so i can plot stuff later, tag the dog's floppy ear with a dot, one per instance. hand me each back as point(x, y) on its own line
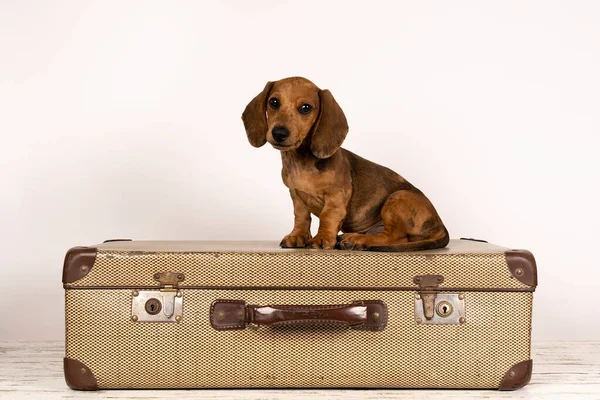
point(255, 117)
point(330, 129)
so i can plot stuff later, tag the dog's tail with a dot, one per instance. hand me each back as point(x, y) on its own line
point(427, 244)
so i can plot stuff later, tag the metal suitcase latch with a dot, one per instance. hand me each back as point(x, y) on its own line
point(428, 289)
point(434, 308)
point(163, 305)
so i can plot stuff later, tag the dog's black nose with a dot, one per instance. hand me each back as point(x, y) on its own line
point(280, 133)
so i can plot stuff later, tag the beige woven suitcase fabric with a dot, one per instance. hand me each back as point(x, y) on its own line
point(276, 267)
point(122, 353)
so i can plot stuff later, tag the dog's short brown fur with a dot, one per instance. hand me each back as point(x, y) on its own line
point(376, 208)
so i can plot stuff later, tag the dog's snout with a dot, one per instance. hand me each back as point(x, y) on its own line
point(280, 133)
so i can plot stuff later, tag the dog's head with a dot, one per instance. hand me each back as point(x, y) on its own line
point(292, 111)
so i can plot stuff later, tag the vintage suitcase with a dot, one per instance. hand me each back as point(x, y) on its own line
point(249, 314)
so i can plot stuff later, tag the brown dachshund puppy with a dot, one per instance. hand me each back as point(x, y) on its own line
point(376, 208)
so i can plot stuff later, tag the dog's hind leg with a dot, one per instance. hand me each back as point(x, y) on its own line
point(410, 222)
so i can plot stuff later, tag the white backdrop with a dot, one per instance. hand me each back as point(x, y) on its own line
point(122, 119)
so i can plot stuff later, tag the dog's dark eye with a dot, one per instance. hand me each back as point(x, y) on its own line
point(274, 103)
point(305, 109)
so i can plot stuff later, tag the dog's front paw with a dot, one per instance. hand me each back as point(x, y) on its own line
point(352, 241)
point(322, 242)
point(294, 240)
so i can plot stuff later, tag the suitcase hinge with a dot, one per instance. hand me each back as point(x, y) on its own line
point(428, 290)
point(169, 279)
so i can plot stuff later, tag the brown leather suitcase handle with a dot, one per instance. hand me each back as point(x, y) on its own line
point(362, 315)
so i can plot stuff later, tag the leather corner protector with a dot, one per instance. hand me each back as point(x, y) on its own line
point(228, 314)
point(78, 263)
point(518, 376)
point(522, 266)
point(78, 376)
point(377, 316)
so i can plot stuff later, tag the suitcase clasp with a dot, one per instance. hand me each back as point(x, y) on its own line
point(162, 305)
point(157, 305)
point(428, 290)
point(169, 283)
point(434, 308)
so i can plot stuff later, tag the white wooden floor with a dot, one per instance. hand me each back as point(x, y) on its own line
point(561, 370)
